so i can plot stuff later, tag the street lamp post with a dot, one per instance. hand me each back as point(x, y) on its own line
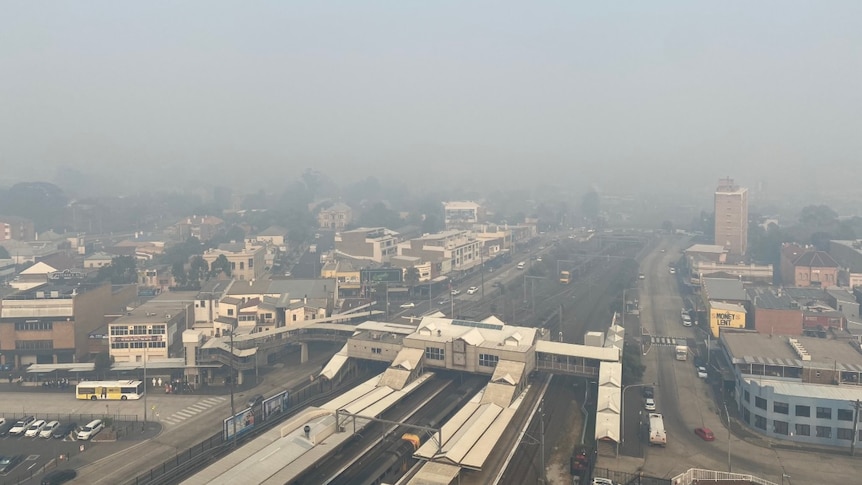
point(232, 408)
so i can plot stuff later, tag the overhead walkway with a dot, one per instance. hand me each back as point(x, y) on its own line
point(282, 454)
point(573, 359)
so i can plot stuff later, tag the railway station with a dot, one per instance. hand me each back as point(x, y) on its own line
point(506, 355)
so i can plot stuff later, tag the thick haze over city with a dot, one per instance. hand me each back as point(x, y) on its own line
point(632, 97)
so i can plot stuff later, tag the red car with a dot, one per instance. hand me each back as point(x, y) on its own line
point(704, 433)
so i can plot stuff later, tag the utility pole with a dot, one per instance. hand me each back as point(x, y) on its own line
point(857, 404)
point(232, 408)
point(729, 469)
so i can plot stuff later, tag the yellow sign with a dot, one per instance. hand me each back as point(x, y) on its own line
point(720, 317)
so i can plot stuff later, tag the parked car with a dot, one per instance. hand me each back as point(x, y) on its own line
point(472, 290)
point(704, 433)
point(701, 372)
point(408, 305)
point(57, 477)
point(49, 428)
point(91, 429)
point(5, 427)
point(8, 462)
point(641, 276)
point(649, 404)
point(21, 426)
point(648, 392)
point(455, 292)
point(602, 481)
point(35, 428)
point(64, 430)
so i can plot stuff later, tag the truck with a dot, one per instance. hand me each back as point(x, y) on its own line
point(657, 435)
point(565, 277)
point(681, 352)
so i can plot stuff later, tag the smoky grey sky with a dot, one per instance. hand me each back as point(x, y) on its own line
point(618, 94)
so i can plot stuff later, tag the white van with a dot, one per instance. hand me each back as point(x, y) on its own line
point(91, 429)
point(521, 265)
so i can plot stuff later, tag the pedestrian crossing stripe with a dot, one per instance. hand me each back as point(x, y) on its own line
point(193, 409)
point(669, 341)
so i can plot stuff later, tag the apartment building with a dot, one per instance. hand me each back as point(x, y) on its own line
point(457, 249)
point(51, 323)
point(376, 244)
point(462, 214)
point(202, 227)
point(731, 217)
point(247, 260)
point(16, 228)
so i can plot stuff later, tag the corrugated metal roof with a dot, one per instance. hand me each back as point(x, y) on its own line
point(607, 354)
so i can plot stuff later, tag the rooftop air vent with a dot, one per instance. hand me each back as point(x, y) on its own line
point(800, 350)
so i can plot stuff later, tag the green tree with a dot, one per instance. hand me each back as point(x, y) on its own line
point(633, 369)
point(178, 270)
point(411, 276)
point(102, 364)
point(198, 270)
point(121, 271)
point(220, 265)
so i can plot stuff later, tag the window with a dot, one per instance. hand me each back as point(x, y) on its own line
point(824, 413)
point(824, 432)
point(803, 430)
point(746, 415)
point(139, 330)
point(433, 353)
point(250, 263)
point(780, 407)
point(803, 411)
point(241, 265)
point(845, 434)
point(230, 312)
point(33, 325)
point(759, 422)
point(780, 427)
point(845, 415)
point(34, 344)
point(376, 350)
point(746, 395)
point(120, 330)
point(488, 360)
point(760, 402)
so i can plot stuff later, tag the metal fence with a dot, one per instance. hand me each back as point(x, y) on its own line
point(81, 418)
point(625, 478)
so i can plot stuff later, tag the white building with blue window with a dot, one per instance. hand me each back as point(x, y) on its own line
point(801, 389)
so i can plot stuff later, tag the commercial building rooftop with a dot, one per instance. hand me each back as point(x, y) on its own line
point(751, 347)
point(772, 299)
point(724, 289)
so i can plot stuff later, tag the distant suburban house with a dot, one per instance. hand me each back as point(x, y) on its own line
point(98, 260)
point(274, 236)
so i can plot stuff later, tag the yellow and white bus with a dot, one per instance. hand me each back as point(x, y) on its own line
point(111, 390)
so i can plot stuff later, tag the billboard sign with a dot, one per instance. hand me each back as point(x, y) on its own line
point(381, 275)
point(275, 405)
point(244, 423)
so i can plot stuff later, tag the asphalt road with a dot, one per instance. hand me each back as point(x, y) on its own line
point(687, 402)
